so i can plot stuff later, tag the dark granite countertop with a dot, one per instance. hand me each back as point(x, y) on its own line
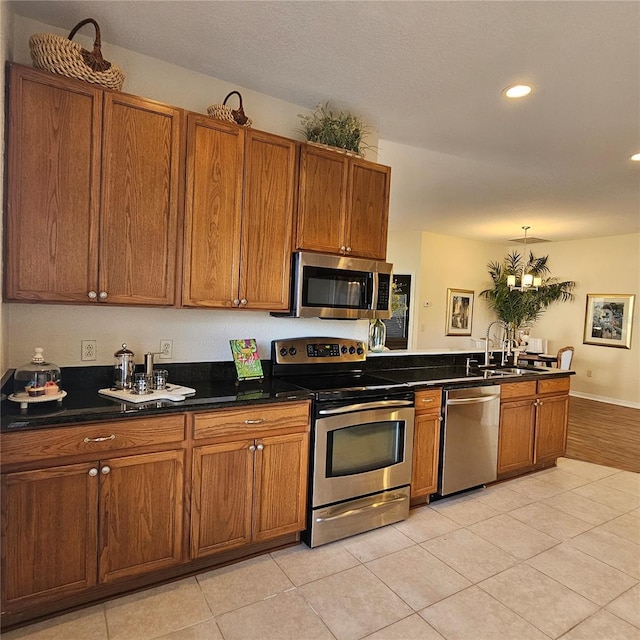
point(216, 387)
point(214, 383)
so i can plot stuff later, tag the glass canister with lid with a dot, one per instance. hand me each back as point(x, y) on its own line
point(38, 377)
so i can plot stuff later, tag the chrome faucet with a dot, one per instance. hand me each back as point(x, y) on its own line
point(486, 344)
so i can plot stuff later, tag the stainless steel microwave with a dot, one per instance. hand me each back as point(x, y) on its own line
point(325, 286)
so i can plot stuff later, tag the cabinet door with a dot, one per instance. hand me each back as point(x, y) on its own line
point(367, 209)
point(221, 497)
point(139, 215)
point(213, 208)
point(516, 436)
point(267, 221)
point(551, 427)
point(53, 167)
point(321, 207)
point(140, 514)
point(49, 527)
point(426, 444)
point(280, 494)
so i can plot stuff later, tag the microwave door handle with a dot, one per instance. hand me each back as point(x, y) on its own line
point(374, 293)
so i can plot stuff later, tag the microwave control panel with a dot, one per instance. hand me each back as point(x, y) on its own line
point(317, 350)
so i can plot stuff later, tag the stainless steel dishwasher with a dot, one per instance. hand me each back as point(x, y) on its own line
point(469, 455)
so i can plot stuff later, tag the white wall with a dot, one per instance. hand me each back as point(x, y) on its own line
point(605, 266)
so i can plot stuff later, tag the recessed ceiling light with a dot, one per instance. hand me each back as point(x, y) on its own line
point(518, 91)
point(635, 157)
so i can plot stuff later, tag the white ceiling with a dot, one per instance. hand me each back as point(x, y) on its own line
point(428, 74)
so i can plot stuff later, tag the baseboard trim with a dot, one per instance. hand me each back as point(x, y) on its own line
point(621, 403)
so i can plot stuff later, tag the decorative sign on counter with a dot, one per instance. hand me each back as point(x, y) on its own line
point(247, 359)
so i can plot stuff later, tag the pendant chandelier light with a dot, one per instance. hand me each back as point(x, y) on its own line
point(528, 282)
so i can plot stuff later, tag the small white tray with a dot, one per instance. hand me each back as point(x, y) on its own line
point(25, 399)
point(173, 392)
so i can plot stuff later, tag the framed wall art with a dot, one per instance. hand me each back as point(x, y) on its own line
point(608, 320)
point(459, 312)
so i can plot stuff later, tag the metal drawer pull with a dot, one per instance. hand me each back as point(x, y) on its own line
point(93, 472)
point(252, 447)
point(101, 439)
point(258, 421)
point(367, 405)
point(260, 447)
point(105, 469)
point(427, 400)
point(369, 507)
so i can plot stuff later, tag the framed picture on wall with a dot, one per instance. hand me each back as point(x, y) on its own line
point(459, 312)
point(608, 320)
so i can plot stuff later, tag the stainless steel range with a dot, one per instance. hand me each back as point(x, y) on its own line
point(362, 437)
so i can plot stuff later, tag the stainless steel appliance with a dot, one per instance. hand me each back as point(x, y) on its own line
point(325, 286)
point(469, 456)
point(362, 437)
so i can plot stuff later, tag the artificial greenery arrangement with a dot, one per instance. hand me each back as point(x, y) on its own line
point(336, 129)
point(519, 309)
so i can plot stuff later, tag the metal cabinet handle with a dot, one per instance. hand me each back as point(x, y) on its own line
point(258, 421)
point(252, 447)
point(343, 248)
point(103, 295)
point(101, 439)
point(92, 295)
point(260, 447)
point(106, 469)
point(348, 249)
point(243, 301)
point(236, 301)
point(93, 472)
point(427, 400)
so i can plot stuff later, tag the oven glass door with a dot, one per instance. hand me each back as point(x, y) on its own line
point(361, 452)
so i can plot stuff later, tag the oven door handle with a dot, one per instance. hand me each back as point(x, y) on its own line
point(381, 404)
point(369, 507)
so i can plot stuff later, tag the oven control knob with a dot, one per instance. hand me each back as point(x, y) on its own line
point(344, 349)
point(283, 352)
point(359, 351)
point(292, 351)
point(352, 350)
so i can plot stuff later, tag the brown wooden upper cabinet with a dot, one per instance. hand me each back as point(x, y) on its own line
point(343, 204)
point(240, 186)
point(92, 206)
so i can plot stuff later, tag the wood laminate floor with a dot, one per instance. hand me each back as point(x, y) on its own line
point(604, 433)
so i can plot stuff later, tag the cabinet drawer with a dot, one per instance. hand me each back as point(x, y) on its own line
point(246, 421)
point(554, 385)
point(428, 400)
point(517, 390)
point(98, 438)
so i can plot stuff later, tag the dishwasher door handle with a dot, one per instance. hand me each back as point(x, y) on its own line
point(475, 400)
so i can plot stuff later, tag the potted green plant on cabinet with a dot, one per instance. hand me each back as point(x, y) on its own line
point(339, 129)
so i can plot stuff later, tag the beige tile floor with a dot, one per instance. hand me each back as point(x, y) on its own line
point(552, 555)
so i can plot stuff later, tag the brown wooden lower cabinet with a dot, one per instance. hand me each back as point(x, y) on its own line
point(426, 445)
point(251, 489)
point(533, 424)
point(95, 510)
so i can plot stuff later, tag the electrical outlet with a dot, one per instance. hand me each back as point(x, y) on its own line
point(166, 349)
point(89, 349)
